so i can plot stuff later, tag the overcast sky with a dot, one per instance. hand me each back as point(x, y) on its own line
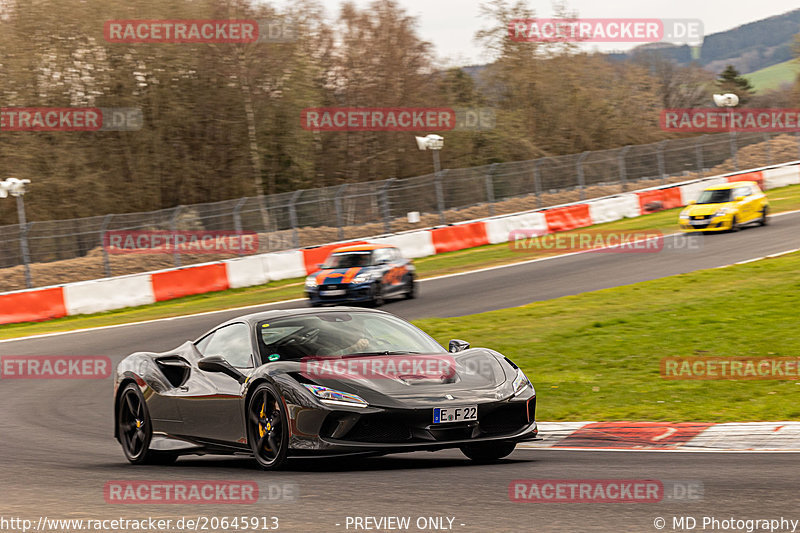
point(451, 24)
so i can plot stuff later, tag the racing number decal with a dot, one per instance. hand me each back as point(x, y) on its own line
point(395, 276)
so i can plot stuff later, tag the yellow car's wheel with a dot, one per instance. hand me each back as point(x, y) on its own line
point(764, 216)
point(734, 224)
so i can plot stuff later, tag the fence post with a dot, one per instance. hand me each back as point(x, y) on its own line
point(623, 170)
point(768, 147)
point(581, 179)
point(337, 204)
point(383, 201)
point(173, 223)
point(662, 171)
point(293, 217)
point(237, 221)
point(537, 181)
point(698, 146)
point(106, 260)
point(440, 195)
point(490, 187)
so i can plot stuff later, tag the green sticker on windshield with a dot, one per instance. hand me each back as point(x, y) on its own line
point(274, 357)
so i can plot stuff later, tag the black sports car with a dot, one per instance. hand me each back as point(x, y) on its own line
point(313, 382)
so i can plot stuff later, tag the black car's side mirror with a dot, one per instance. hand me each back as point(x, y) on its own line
point(457, 345)
point(216, 363)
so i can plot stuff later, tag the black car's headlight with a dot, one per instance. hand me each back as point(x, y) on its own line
point(521, 382)
point(336, 397)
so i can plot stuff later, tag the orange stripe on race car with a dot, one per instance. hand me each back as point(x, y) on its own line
point(350, 274)
point(322, 275)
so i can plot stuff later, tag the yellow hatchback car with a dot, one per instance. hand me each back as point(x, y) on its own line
point(726, 207)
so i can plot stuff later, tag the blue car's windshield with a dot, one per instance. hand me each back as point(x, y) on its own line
point(349, 260)
point(341, 333)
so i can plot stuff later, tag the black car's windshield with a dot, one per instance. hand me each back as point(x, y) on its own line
point(349, 260)
point(715, 197)
point(338, 333)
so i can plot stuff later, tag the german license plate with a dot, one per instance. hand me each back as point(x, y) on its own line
point(444, 415)
point(335, 292)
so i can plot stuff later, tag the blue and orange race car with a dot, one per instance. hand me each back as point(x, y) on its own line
point(365, 273)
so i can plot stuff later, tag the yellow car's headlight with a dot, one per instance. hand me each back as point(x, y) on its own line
point(722, 212)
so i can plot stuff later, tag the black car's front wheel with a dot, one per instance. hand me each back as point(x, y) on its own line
point(486, 452)
point(135, 429)
point(267, 427)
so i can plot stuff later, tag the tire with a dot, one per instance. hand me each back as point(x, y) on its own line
point(377, 296)
point(267, 427)
point(764, 217)
point(135, 429)
point(489, 451)
point(734, 224)
point(411, 291)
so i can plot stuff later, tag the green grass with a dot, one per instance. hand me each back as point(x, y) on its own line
point(595, 356)
point(774, 76)
point(784, 199)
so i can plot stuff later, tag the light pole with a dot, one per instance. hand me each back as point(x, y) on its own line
point(730, 101)
point(435, 143)
point(16, 188)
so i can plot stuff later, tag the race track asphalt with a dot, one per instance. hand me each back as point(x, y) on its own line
point(58, 452)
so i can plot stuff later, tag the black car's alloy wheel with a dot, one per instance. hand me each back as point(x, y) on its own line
point(135, 429)
point(267, 427)
point(487, 452)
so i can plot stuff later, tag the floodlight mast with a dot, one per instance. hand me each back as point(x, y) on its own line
point(16, 188)
point(730, 101)
point(434, 143)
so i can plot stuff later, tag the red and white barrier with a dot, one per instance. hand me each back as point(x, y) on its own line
point(141, 289)
point(101, 295)
point(413, 245)
point(614, 208)
point(498, 229)
point(781, 177)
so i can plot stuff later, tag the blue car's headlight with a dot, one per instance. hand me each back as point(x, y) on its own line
point(311, 282)
point(521, 382)
point(364, 277)
point(336, 397)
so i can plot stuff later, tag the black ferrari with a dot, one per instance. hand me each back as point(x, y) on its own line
point(316, 382)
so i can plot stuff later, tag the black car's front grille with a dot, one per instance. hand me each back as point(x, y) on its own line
point(508, 418)
point(375, 429)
